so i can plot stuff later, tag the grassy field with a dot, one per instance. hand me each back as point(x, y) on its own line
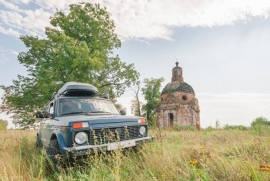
point(174, 155)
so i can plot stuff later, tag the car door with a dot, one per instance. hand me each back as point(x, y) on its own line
point(46, 126)
point(50, 123)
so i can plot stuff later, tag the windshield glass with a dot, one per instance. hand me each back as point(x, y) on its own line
point(85, 105)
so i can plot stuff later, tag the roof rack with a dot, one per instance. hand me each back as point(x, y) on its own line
point(77, 89)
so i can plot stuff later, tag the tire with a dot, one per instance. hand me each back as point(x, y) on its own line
point(52, 151)
point(38, 143)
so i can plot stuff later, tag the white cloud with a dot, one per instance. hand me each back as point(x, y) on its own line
point(9, 5)
point(154, 19)
point(145, 19)
point(4, 52)
point(53, 4)
point(9, 31)
point(21, 1)
point(30, 22)
point(3, 58)
point(8, 51)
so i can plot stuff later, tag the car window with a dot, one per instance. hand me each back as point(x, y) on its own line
point(47, 108)
point(51, 108)
point(87, 105)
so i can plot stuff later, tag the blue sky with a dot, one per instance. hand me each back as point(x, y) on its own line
point(222, 47)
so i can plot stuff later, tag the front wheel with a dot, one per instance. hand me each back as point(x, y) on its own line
point(52, 151)
point(38, 142)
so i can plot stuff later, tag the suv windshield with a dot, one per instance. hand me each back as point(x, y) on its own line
point(84, 105)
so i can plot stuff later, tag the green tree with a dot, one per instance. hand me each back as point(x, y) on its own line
point(151, 93)
point(136, 107)
point(136, 104)
point(260, 121)
point(3, 124)
point(78, 47)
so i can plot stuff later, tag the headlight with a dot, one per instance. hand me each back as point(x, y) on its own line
point(142, 130)
point(80, 138)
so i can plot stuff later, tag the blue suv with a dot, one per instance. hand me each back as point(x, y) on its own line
point(76, 122)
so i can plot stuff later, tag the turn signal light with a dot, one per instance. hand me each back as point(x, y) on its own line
point(80, 125)
point(142, 121)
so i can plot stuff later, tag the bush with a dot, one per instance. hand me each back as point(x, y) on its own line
point(184, 128)
point(234, 127)
point(259, 125)
point(260, 121)
point(209, 128)
point(3, 124)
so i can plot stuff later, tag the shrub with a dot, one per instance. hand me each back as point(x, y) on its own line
point(260, 121)
point(209, 128)
point(259, 124)
point(184, 128)
point(3, 124)
point(234, 127)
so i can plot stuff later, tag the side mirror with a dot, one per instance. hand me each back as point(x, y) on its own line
point(123, 112)
point(43, 114)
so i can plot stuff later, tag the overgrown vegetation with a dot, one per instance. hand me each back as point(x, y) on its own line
point(260, 124)
point(151, 94)
point(175, 155)
point(3, 124)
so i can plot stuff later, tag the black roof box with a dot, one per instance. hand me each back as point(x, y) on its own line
point(77, 89)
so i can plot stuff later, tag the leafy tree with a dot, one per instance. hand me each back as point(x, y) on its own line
point(260, 124)
point(136, 107)
point(3, 124)
point(151, 93)
point(117, 105)
point(261, 121)
point(136, 103)
point(78, 47)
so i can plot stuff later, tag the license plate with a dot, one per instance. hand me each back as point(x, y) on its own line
point(121, 144)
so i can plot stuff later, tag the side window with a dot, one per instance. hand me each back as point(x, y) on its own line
point(51, 108)
point(47, 108)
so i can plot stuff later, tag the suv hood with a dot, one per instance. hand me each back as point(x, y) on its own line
point(96, 121)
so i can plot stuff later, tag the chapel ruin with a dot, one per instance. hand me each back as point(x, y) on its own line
point(178, 105)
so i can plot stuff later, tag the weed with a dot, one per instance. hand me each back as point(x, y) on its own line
point(176, 154)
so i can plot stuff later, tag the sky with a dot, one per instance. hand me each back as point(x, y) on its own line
point(222, 47)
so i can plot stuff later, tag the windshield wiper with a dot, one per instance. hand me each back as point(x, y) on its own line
point(74, 113)
point(98, 112)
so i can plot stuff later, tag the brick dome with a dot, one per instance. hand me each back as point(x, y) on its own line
point(178, 86)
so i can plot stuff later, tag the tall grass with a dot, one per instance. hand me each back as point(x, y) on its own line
point(176, 154)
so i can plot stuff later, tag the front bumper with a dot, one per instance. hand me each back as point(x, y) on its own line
point(88, 149)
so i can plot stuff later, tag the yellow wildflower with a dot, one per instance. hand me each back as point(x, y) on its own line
point(202, 147)
point(193, 162)
point(116, 172)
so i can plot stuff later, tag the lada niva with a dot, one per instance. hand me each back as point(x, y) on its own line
point(77, 122)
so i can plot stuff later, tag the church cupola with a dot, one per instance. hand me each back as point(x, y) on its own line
point(177, 73)
point(178, 105)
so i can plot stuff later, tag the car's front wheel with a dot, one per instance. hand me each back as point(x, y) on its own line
point(52, 151)
point(38, 142)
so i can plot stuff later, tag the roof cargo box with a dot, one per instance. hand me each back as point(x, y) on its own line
point(77, 89)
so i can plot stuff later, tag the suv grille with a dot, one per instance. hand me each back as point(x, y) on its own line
point(109, 135)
